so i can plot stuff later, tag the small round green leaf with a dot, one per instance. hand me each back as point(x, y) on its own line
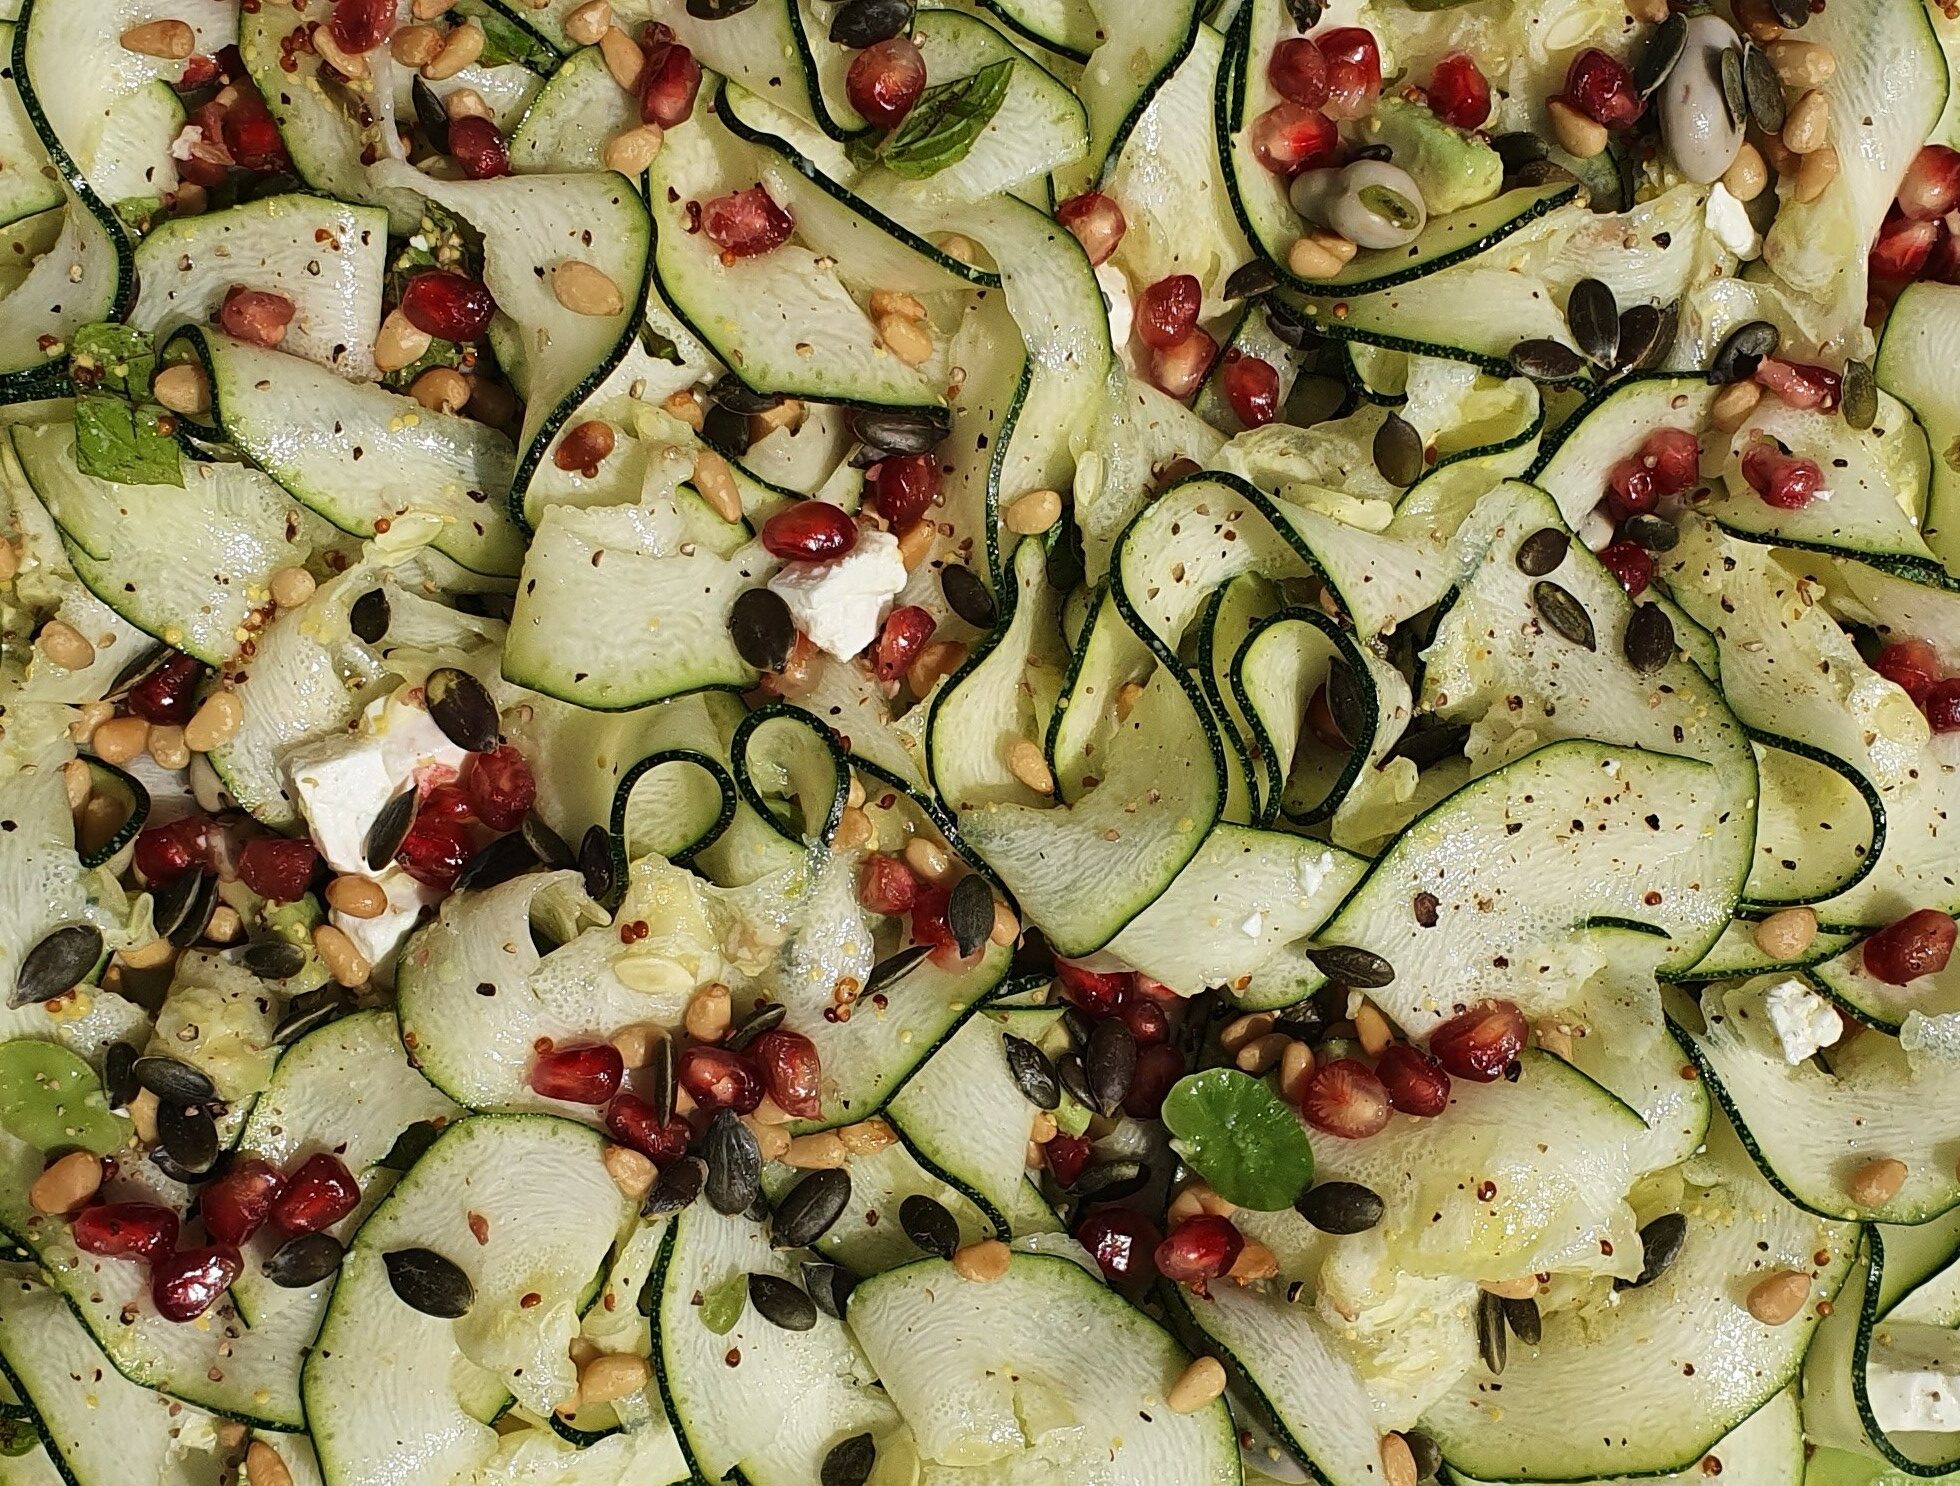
point(722, 1306)
point(1241, 1137)
point(51, 1099)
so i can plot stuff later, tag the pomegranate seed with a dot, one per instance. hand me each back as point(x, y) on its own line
point(478, 147)
point(448, 306)
point(929, 926)
point(1320, 721)
point(361, 25)
point(434, 852)
point(125, 1230)
point(1903, 246)
point(1919, 944)
point(1158, 1067)
point(207, 158)
point(1943, 706)
point(501, 787)
point(1123, 1241)
point(904, 487)
point(1095, 221)
point(1632, 564)
point(1631, 488)
point(317, 1196)
point(1067, 1157)
point(885, 80)
point(1180, 371)
point(1481, 1043)
point(445, 802)
point(1459, 92)
point(790, 1071)
point(886, 885)
point(720, 1079)
point(166, 852)
point(1167, 311)
point(200, 71)
point(186, 1284)
point(809, 531)
point(1943, 264)
point(1781, 480)
point(252, 137)
point(277, 869)
point(255, 316)
point(1415, 1082)
point(1931, 187)
point(1147, 1020)
point(1199, 1249)
point(1345, 1098)
point(1289, 139)
point(1298, 72)
point(904, 635)
point(1911, 664)
point(746, 224)
point(585, 447)
point(1799, 385)
point(1602, 89)
point(237, 1204)
point(669, 82)
point(631, 1121)
point(1674, 455)
point(1096, 992)
point(1354, 70)
point(168, 695)
point(1252, 387)
point(589, 1074)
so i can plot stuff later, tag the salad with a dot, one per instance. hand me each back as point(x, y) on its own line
point(858, 743)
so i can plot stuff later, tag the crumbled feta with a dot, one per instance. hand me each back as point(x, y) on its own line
point(184, 146)
point(1729, 224)
point(1913, 1380)
point(1254, 926)
point(342, 783)
point(1803, 1020)
point(1115, 286)
point(1930, 1040)
point(379, 937)
point(839, 604)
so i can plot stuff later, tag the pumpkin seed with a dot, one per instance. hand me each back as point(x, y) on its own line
point(1110, 1063)
point(309, 1011)
point(183, 910)
point(1660, 1246)
point(188, 1135)
point(57, 964)
point(862, 23)
point(1563, 613)
point(1341, 1207)
point(1646, 335)
point(849, 1462)
point(1539, 173)
point(1790, 14)
point(504, 858)
point(725, 431)
point(1663, 49)
point(970, 913)
point(899, 430)
point(967, 596)
point(1427, 1453)
point(1649, 642)
point(411, 1145)
point(119, 1074)
point(546, 844)
point(430, 114)
point(463, 708)
point(677, 1187)
point(1033, 1073)
point(273, 959)
point(425, 1281)
point(829, 1285)
point(1076, 1022)
point(1303, 1023)
point(595, 863)
point(1354, 714)
point(765, 1018)
point(1542, 551)
point(1288, 326)
point(781, 1303)
point(1593, 316)
point(389, 829)
point(1398, 451)
point(167, 1164)
point(1428, 741)
point(929, 1225)
point(734, 1165)
point(716, 10)
point(1858, 395)
point(1525, 1322)
point(1490, 1331)
point(737, 396)
point(759, 623)
point(1112, 1180)
point(1651, 532)
point(1518, 148)
point(1545, 360)
point(809, 1209)
point(1735, 95)
point(173, 1080)
point(1351, 966)
point(1075, 1079)
point(1306, 13)
point(1252, 279)
point(661, 1076)
point(1739, 355)
point(369, 616)
point(303, 1261)
point(893, 968)
point(1762, 90)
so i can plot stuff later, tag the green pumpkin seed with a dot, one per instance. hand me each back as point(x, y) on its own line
point(1762, 89)
point(1742, 351)
point(1660, 1246)
point(1522, 1317)
point(1490, 1331)
point(759, 623)
point(734, 1165)
point(595, 863)
point(1398, 451)
point(118, 1074)
point(546, 844)
point(172, 1079)
point(889, 971)
point(1252, 279)
point(899, 430)
point(389, 829)
point(1427, 1453)
point(1650, 532)
point(1593, 316)
point(849, 1462)
point(678, 1186)
point(1858, 395)
point(303, 1261)
point(188, 1135)
point(1351, 966)
point(1110, 1063)
point(425, 1281)
point(1341, 1207)
point(1111, 1181)
point(462, 707)
point(1649, 642)
point(765, 1018)
point(1646, 335)
point(781, 1303)
point(661, 1080)
point(57, 964)
point(862, 23)
point(716, 10)
point(50, 1099)
point(1545, 360)
point(1075, 1079)
point(970, 913)
point(1543, 551)
point(1791, 14)
point(273, 959)
point(1735, 95)
point(829, 1285)
point(967, 596)
point(182, 910)
point(1428, 741)
point(809, 1209)
point(504, 858)
point(1563, 613)
point(1663, 49)
point(929, 1225)
point(411, 1145)
point(1033, 1072)
point(369, 616)
point(308, 1011)
point(723, 1305)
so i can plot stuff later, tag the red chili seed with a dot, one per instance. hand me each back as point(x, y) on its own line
point(1252, 387)
point(1459, 92)
point(1124, 1244)
point(276, 868)
point(1919, 944)
point(720, 1079)
point(256, 316)
point(500, 787)
point(1416, 1083)
point(1167, 311)
point(791, 1072)
point(905, 633)
point(318, 1195)
point(809, 531)
point(125, 1230)
point(886, 80)
point(631, 1121)
point(447, 305)
point(1199, 1249)
point(1345, 1098)
point(1480, 1044)
point(186, 1284)
point(1354, 70)
point(886, 885)
point(1096, 222)
point(1298, 72)
point(478, 147)
point(168, 695)
point(589, 1074)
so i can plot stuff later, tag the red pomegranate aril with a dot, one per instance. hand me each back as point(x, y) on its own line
point(166, 852)
point(791, 1072)
point(669, 82)
point(361, 25)
point(125, 1230)
point(1674, 455)
point(199, 71)
point(1800, 385)
point(500, 787)
point(1289, 139)
point(1124, 1244)
point(168, 695)
point(252, 137)
point(1252, 387)
point(746, 224)
point(1782, 481)
point(1480, 1043)
point(1067, 1157)
point(1167, 311)
point(434, 852)
point(1913, 665)
point(1199, 1249)
point(317, 1196)
point(904, 487)
point(277, 869)
point(632, 1121)
point(1096, 222)
point(256, 316)
point(1354, 70)
point(1159, 1066)
point(809, 531)
point(449, 306)
point(237, 1204)
point(885, 81)
point(1931, 187)
point(1415, 1082)
point(1943, 706)
point(1345, 1098)
point(720, 1079)
point(905, 633)
point(445, 802)
point(1631, 488)
point(1458, 92)
point(1631, 563)
point(1147, 1020)
point(588, 1074)
point(1298, 72)
point(1097, 992)
point(1903, 246)
point(1919, 944)
point(186, 1284)
point(478, 147)
point(1180, 371)
point(886, 885)
point(929, 926)
point(1602, 89)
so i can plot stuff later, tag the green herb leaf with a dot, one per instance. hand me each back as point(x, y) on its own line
point(139, 213)
point(944, 123)
point(506, 41)
point(117, 357)
point(410, 1144)
point(1241, 1137)
point(658, 344)
point(17, 1438)
point(115, 441)
point(722, 1306)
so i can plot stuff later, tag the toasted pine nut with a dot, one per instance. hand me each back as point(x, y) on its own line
point(1778, 1297)
point(65, 646)
point(1262, 1054)
point(441, 389)
point(1295, 1068)
point(940, 658)
point(1802, 64)
point(908, 340)
point(614, 1376)
point(1241, 1030)
point(1319, 255)
point(1576, 133)
point(867, 1137)
point(823, 1151)
point(1398, 1460)
point(584, 288)
point(467, 103)
point(1126, 699)
point(121, 739)
point(771, 1140)
point(1032, 514)
point(346, 964)
point(1816, 172)
point(631, 1172)
point(168, 748)
point(225, 924)
point(715, 483)
point(158, 951)
point(631, 151)
point(398, 344)
point(960, 248)
point(1255, 1262)
point(67, 1184)
point(1196, 1386)
point(624, 59)
point(1522, 1288)
point(429, 10)
point(357, 897)
point(291, 587)
point(929, 859)
point(215, 723)
point(1757, 20)
point(351, 65)
point(1042, 1128)
point(89, 717)
point(171, 40)
point(854, 831)
point(1733, 405)
point(1029, 766)
point(416, 46)
point(9, 561)
point(635, 1043)
point(789, 413)
point(78, 782)
point(588, 22)
point(183, 389)
point(1198, 1200)
point(1876, 1182)
point(1373, 1029)
point(1652, 12)
point(462, 47)
point(915, 543)
point(143, 1110)
point(1786, 933)
point(686, 406)
point(1007, 928)
point(1747, 175)
point(983, 1262)
point(1808, 124)
point(709, 1014)
point(896, 302)
point(263, 1467)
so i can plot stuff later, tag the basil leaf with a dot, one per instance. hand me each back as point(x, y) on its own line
point(410, 1145)
point(115, 441)
point(722, 1306)
point(117, 357)
point(504, 40)
point(944, 123)
point(1241, 1137)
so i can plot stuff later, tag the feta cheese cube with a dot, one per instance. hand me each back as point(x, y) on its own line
point(380, 937)
point(1914, 1377)
point(840, 604)
point(1729, 224)
point(343, 783)
point(1804, 1021)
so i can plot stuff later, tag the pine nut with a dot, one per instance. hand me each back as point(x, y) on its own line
point(1319, 255)
point(1786, 934)
point(429, 10)
point(263, 1467)
point(1815, 174)
point(9, 561)
point(915, 543)
point(614, 1376)
point(960, 248)
point(67, 1184)
point(1127, 696)
point(789, 413)
point(940, 658)
point(1747, 175)
point(1522, 1288)
point(1802, 64)
point(1006, 929)
point(1778, 1298)
point(168, 748)
point(215, 723)
point(771, 1140)
point(349, 65)
point(1241, 1030)
point(908, 340)
point(1733, 405)
point(416, 46)
point(1576, 133)
point(1196, 1201)
point(585, 289)
point(982, 1262)
point(346, 964)
point(1032, 514)
point(65, 646)
point(89, 717)
point(1651, 12)
point(143, 1110)
point(854, 831)
point(157, 952)
point(1373, 1029)
point(715, 483)
point(631, 1172)
point(463, 46)
point(1808, 124)
point(709, 1014)
point(171, 40)
point(633, 150)
point(854, 795)
point(636, 1043)
point(121, 739)
point(867, 1137)
point(588, 22)
point(1295, 1068)
point(78, 782)
point(823, 1151)
point(1030, 767)
point(357, 897)
point(291, 587)
point(398, 345)
point(1398, 1460)
point(1042, 1128)
point(1876, 1182)
point(686, 406)
point(624, 59)
point(466, 103)
point(929, 859)
point(225, 924)
point(896, 302)
point(1262, 1054)
point(1196, 1386)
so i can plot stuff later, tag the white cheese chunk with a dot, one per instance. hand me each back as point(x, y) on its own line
point(839, 604)
point(343, 783)
point(1729, 224)
point(1803, 1020)
point(1914, 1377)
point(378, 938)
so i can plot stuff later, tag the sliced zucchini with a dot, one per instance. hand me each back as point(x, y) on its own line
point(1843, 977)
point(1820, 826)
point(1920, 335)
point(869, 1235)
point(568, 123)
point(83, 279)
point(1736, 954)
point(1574, 466)
point(1069, 27)
point(779, 50)
point(1138, 48)
point(1766, 1449)
point(28, 182)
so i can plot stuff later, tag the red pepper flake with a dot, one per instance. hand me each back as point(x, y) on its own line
point(479, 1229)
point(734, 1357)
point(530, 1300)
